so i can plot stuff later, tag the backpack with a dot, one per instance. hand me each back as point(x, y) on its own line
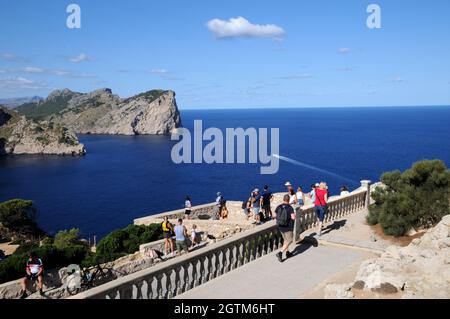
point(283, 217)
point(166, 227)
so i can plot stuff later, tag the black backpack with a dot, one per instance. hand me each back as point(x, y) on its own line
point(283, 217)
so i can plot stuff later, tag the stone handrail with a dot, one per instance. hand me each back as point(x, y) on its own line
point(181, 274)
point(196, 212)
point(178, 275)
point(306, 217)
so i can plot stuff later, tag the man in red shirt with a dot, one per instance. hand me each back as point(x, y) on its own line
point(321, 204)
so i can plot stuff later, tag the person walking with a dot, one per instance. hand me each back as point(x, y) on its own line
point(181, 235)
point(167, 229)
point(321, 204)
point(267, 198)
point(187, 207)
point(285, 216)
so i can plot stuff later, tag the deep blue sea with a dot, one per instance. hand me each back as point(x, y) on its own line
point(122, 178)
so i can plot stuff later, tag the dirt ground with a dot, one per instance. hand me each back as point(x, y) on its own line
point(398, 241)
point(8, 249)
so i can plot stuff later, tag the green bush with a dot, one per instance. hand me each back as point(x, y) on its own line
point(13, 267)
point(417, 198)
point(126, 241)
point(18, 216)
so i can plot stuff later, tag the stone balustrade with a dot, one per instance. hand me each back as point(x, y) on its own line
point(181, 274)
point(306, 217)
point(197, 212)
point(178, 275)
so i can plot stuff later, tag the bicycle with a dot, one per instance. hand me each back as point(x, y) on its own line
point(89, 278)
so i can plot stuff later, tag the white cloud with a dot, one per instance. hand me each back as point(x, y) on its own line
point(345, 69)
point(31, 69)
point(344, 50)
point(397, 79)
point(296, 76)
point(159, 71)
point(17, 83)
point(241, 27)
point(9, 57)
point(59, 72)
point(80, 58)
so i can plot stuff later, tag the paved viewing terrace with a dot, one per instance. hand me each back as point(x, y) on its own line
point(246, 262)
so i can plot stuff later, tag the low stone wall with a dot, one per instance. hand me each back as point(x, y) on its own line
point(197, 212)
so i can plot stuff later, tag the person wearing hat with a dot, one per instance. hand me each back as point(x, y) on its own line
point(289, 186)
point(256, 205)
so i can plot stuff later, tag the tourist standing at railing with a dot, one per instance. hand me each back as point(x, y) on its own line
point(300, 197)
point(289, 186)
point(181, 235)
point(256, 206)
point(267, 198)
point(312, 193)
point(187, 207)
point(321, 204)
point(167, 229)
point(218, 206)
point(285, 217)
point(292, 197)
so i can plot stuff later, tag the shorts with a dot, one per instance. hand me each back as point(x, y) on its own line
point(32, 276)
point(187, 212)
point(321, 211)
point(288, 236)
point(181, 245)
point(256, 210)
point(167, 234)
point(267, 208)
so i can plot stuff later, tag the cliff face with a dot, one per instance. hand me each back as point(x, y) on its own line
point(101, 112)
point(21, 136)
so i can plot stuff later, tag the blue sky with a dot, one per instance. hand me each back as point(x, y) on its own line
point(324, 56)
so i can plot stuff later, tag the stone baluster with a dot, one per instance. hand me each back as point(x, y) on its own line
point(159, 288)
point(168, 285)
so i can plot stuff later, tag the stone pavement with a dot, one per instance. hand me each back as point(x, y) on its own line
point(268, 278)
point(352, 231)
point(343, 243)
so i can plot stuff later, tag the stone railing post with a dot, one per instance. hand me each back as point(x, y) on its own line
point(366, 185)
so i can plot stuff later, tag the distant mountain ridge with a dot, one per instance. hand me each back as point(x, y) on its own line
point(153, 112)
point(17, 101)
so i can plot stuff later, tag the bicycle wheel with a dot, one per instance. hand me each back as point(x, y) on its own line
point(103, 277)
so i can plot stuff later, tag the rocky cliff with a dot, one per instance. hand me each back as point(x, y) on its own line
point(21, 136)
point(419, 270)
point(101, 112)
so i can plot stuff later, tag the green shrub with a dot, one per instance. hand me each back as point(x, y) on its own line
point(18, 216)
point(417, 198)
point(126, 241)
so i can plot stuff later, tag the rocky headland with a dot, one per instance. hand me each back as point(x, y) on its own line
point(102, 112)
point(19, 135)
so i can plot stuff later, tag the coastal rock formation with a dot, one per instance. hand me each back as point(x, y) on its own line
point(21, 136)
point(101, 112)
point(419, 270)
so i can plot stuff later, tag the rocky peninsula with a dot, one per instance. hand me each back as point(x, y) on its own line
point(19, 135)
point(153, 112)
